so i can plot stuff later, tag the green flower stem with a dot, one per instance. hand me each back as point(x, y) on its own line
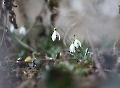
point(66, 35)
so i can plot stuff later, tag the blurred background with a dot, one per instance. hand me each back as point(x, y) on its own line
point(30, 59)
point(95, 20)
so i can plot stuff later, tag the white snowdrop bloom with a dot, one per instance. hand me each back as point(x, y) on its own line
point(55, 35)
point(12, 28)
point(72, 48)
point(77, 43)
point(22, 30)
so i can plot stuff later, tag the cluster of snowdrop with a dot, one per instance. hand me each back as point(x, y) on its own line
point(22, 30)
point(75, 44)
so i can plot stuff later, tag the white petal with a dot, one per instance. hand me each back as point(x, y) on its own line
point(54, 36)
point(77, 43)
point(72, 48)
point(58, 35)
point(86, 51)
point(22, 30)
point(12, 28)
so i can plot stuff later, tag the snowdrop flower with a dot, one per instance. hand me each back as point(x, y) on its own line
point(22, 30)
point(12, 28)
point(77, 43)
point(72, 48)
point(55, 35)
point(86, 51)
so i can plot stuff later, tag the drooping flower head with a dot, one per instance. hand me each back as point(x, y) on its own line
point(77, 43)
point(22, 30)
point(72, 48)
point(12, 28)
point(55, 35)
